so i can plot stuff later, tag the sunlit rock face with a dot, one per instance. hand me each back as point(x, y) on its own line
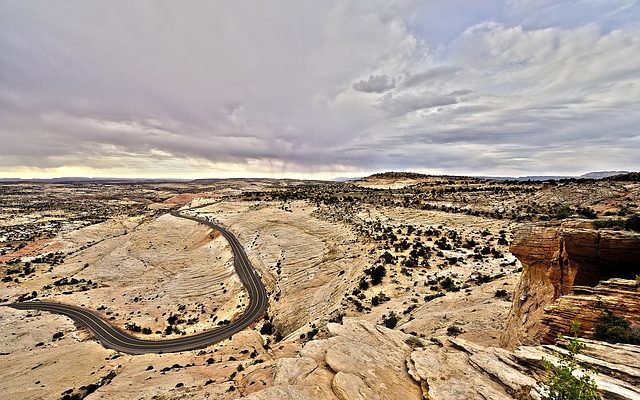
point(564, 260)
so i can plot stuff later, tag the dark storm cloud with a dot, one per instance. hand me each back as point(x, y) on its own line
point(375, 84)
point(280, 87)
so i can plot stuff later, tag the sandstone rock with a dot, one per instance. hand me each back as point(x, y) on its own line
point(293, 370)
point(349, 386)
point(557, 258)
point(586, 304)
point(306, 263)
point(378, 360)
point(609, 385)
point(458, 369)
point(359, 361)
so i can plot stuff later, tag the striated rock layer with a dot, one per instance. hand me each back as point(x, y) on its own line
point(458, 369)
point(359, 361)
point(365, 361)
point(554, 260)
point(586, 304)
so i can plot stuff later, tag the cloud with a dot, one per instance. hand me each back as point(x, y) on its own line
point(375, 84)
point(405, 103)
point(280, 88)
point(430, 75)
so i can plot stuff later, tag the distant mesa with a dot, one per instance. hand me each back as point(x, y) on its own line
point(602, 174)
point(393, 175)
point(588, 175)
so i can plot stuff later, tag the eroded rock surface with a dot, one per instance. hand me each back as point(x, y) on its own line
point(587, 304)
point(366, 361)
point(359, 361)
point(554, 260)
point(458, 369)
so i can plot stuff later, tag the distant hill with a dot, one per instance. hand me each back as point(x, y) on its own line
point(602, 174)
point(392, 175)
point(588, 175)
point(397, 175)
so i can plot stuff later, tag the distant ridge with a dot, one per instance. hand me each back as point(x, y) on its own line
point(398, 175)
point(589, 175)
point(602, 174)
point(71, 179)
point(412, 175)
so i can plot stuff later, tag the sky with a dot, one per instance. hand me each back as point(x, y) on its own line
point(320, 89)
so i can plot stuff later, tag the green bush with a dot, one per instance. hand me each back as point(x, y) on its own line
point(612, 328)
point(567, 380)
point(633, 223)
point(413, 342)
point(617, 223)
point(391, 321)
point(563, 212)
point(587, 212)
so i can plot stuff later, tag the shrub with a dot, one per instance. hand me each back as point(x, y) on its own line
point(377, 273)
point(454, 330)
point(267, 328)
point(612, 328)
point(390, 321)
point(633, 223)
point(379, 299)
point(587, 212)
point(566, 380)
point(563, 212)
point(430, 297)
point(413, 342)
point(387, 258)
point(132, 326)
point(449, 285)
point(617, 223)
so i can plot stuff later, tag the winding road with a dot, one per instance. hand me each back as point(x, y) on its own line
point(115, 338)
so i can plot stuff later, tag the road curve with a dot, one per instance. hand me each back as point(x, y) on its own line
point(117, 339)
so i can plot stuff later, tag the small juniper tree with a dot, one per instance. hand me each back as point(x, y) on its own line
point(567, 380)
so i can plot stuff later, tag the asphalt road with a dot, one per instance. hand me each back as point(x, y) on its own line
point(114, 338)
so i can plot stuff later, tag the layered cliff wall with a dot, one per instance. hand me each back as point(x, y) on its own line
point(586, 305)
point(555, 260)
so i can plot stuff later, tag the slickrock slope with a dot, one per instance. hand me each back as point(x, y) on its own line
point(554, 259)
point(307, 264)
point(458, 369)
point(586, 304)
point(359, 361)
point(365, 361)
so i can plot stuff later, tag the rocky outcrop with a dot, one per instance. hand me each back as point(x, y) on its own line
point(555, 259)
point(586, 304)
point(366, 361)
point(359, 361)
point(458, 369)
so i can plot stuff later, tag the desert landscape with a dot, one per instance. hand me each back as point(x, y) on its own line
point(320, 200)
point(437, 279)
